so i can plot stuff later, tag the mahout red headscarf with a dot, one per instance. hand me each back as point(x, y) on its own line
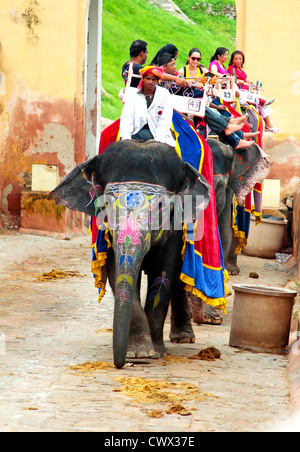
point(150, 70)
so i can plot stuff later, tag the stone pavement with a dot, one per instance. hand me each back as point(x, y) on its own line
point(47, 326)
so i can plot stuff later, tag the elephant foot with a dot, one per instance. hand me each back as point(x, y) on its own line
point(232, 269)
point(141, 346)
point(160, 349)
point(182, 335)
point(212, 315)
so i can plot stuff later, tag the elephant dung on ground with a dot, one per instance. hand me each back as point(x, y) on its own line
point(141, 190)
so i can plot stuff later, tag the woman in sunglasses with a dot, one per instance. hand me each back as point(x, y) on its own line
point(193, 70)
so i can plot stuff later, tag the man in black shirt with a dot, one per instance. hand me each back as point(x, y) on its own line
point(138, 56)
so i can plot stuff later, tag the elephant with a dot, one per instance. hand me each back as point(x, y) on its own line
point(235, 173)
point(125, 186)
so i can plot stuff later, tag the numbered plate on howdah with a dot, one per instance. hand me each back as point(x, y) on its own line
point(225, 89)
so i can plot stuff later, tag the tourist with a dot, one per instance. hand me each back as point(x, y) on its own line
point(236, 65)
point(168, 48)
point(138, 56)
point(218, 60)
point(227, 128)
point(193, 70)
point(147, 113)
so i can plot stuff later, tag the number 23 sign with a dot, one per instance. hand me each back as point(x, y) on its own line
point(227, 95)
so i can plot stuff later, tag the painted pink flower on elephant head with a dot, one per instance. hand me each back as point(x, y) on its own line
point(129, 231)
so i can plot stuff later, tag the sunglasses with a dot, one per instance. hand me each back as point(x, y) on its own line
point(195, 59)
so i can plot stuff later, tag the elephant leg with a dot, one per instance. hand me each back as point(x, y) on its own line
point(225, 225)
point(163, 269)
point(212, 315)
point(157, 304)
point(231, 264)
point(140, 344)
point(181, 325)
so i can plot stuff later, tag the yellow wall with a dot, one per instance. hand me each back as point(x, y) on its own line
point(268, 32)
point(43, 58)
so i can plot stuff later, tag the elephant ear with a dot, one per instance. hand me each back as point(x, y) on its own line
point(249, 167)
point(81, 187)
point(195, 192)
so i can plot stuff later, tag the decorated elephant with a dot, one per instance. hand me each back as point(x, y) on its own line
point(144, 193)
point(235, 173)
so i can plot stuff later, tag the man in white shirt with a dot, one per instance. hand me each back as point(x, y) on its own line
point(147, 113)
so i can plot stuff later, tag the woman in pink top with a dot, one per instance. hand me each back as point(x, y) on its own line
point(236, 64)
point(218, 60)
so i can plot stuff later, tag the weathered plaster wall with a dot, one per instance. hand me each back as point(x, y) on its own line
point(42, 118)
point(296, 228)
point(268, 33)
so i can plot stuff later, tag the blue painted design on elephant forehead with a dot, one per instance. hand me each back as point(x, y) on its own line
point(136, 194)
point(141, 199)
point(134, 199)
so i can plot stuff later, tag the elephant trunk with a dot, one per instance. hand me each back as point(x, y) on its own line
point(125, 293)
point(129, 254)
point(121, 327)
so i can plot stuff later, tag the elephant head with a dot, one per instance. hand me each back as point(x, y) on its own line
point(140, 190)
point(234, 172)
point(239, 170)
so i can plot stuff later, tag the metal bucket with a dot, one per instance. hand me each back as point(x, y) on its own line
point(261, 318)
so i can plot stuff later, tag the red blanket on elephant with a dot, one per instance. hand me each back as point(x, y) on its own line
point(203, 268)
point(242, 214)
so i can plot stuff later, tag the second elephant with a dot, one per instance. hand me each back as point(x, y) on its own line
point(235, 174)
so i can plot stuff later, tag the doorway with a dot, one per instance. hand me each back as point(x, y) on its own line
point(93, 76)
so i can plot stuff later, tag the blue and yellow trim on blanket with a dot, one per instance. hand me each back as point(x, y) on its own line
point(99, 256)
point(203, 280)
